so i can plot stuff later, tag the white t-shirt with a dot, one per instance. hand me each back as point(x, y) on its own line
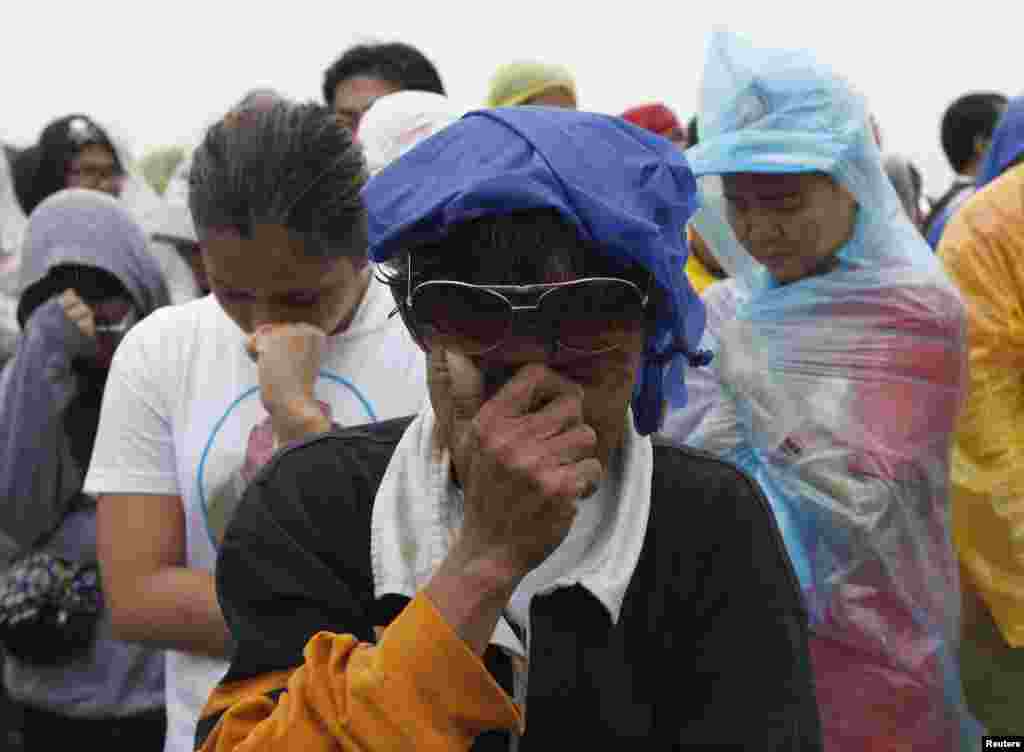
point(182, 415)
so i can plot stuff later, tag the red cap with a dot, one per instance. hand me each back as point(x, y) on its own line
point(656, 118)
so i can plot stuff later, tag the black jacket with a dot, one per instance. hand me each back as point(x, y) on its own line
point(711, 647)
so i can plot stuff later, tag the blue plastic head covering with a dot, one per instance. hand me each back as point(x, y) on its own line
point(626, 190)
point(1007, 143)
point(780, 111)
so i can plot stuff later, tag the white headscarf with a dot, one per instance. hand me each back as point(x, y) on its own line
point(138, 196)
point(397, 122)
point(12, 228)
point(173, 222)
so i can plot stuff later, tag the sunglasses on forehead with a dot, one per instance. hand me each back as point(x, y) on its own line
point(590, 316)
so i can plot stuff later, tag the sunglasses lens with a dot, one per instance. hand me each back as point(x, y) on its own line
point(466, 319)
point(595, 316)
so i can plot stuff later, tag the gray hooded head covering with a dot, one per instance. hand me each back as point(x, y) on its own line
point(87, 228)
point(39, 470)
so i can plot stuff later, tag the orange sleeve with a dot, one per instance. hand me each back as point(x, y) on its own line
point(420, 687)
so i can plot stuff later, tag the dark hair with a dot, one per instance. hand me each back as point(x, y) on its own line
point(970, 117)
point(395, 62)
point(521, 247)
point(291, 165)
point(43, 170)
point(92, 283)
point(253, 96)
point(691, 131)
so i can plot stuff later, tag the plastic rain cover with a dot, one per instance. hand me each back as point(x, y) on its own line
point(839, 394)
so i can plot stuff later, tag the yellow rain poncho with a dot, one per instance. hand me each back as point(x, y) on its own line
point(982, 249)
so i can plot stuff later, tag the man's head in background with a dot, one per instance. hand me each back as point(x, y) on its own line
point(967, 127)
point(366, 72)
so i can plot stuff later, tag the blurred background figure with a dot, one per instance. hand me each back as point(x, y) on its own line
point(72, 152)
point(1006, 148)
point(397, 122)
point(76, 152)
point(982, 247)
point(159, 165)
point(366, 72)
point(702, 268)
point(531, 82)
point(966, 131)
point(906, 179)
point(658, 118)
point(12, 229)
point(175, 246)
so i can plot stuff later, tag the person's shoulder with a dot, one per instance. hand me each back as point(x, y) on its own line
point(996, 207)
point(988, 226)
point(164, 344)
point(175, 321)
point(721, 292)
point(701, 476)
point(359, 453)
point(699, 501)
point(325, 483)
point(721, 299)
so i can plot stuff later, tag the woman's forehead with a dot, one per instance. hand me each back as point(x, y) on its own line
point(270, 259)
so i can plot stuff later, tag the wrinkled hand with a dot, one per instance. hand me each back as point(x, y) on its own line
point(288, 357)
point(524, 458)
point(78, 313)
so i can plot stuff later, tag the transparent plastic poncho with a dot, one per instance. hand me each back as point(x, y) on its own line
point(838, 393)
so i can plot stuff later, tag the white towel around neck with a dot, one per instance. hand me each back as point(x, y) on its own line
point(418, 512)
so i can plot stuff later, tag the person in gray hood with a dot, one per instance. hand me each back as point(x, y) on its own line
point(86, 278)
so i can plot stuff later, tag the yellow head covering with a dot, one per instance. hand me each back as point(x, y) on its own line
point(515, 83)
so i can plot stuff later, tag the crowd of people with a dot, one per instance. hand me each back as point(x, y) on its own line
point(396, 425)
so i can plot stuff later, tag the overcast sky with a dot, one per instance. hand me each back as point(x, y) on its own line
point(156, 73)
